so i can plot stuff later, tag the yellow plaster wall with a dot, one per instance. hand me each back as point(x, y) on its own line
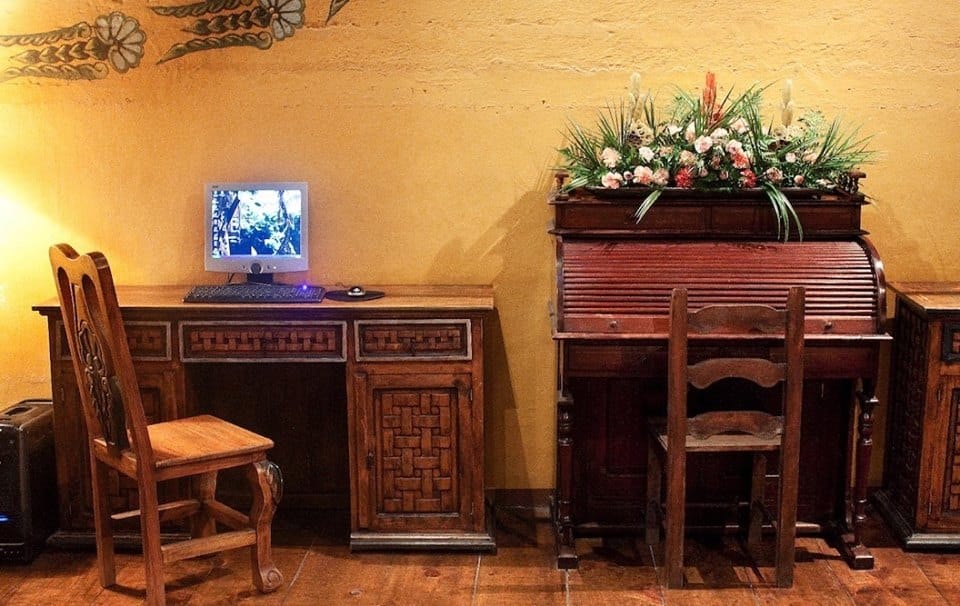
point(427, 130)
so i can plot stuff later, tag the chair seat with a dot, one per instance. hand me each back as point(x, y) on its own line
point(726, 442)
point(196, 440)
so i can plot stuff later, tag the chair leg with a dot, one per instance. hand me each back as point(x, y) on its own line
point(150, 533)
point(103, 525)
point(654, 479)
point(266, 485)
point(202, 523)
point(675, 514)
point(787, 512)
point(756, 500)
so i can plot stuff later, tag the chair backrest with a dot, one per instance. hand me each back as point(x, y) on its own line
point(728, 323)
point(109, 394)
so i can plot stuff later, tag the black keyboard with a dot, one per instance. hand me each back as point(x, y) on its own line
point(253, 292)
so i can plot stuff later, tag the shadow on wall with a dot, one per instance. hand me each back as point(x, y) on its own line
point(519, 251)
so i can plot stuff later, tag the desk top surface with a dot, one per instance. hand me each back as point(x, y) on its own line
point(397, 297)
point(932, 297)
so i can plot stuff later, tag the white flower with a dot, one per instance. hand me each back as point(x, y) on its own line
point(610, 157)
point(810, 157)
point(691, 133)
point(673, 130)
point(790, 157)
point(611, 180)
point(703, 144)
point(719, 134)
point(734, 147)
point(645, 153)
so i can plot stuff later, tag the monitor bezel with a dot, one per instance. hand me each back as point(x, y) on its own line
point(256, 264)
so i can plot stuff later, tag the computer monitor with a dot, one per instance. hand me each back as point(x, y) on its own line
point(257, 229)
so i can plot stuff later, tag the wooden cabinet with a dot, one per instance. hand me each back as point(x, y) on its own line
point(418, 456)
point(390, 389)
point(920, 497)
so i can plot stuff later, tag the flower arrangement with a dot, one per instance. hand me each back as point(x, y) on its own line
point(707, 142)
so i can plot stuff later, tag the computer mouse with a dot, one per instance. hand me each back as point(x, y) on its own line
point(356, 291)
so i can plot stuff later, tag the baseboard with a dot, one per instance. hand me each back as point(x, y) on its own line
point(534, 501)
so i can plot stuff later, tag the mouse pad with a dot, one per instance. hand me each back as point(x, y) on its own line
point(341, 295)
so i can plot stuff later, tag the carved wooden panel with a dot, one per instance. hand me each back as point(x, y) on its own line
point(952, 500)
point(951, 341)
point(147, 341)
point(265, 342)
point(413, 339)
point(417, 442)
point(906, 407)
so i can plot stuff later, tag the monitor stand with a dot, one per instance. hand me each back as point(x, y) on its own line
point(256, 276)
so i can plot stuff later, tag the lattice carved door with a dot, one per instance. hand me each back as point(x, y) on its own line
point(418, 461)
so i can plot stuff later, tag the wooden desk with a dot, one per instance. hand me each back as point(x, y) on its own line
point(391, 389)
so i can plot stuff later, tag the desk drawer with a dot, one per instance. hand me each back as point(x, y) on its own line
point(263, 342)
point(413, 339)
point(148, 341)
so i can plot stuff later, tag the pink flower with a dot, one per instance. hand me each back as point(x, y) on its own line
point(798, 180)
point(610, 157)
point(773, 174)
point(739, 126)
point(734, 147)
point(611, 180)
point(740, 160)
point(688, 158)
point(703, 144)
point(661, 176)
point(643, 175)
point(748, 178)
point(684, 177)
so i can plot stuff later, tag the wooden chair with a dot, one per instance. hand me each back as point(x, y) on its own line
point(722, 431)
point(120, 439)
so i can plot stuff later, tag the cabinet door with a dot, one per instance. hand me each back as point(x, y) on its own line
point(944, 503)
point(418, 469)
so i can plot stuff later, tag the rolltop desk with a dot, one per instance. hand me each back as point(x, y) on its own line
point(614, 278)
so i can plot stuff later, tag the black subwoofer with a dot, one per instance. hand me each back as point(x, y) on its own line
point(28, 479)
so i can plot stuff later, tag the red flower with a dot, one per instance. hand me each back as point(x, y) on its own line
point(684, 177)
point(709, 94)
point(748, 178)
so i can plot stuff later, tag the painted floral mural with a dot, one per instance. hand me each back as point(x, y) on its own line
point(115, 42)
point(78, 52)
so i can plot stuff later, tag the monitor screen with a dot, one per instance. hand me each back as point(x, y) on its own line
point(256, 228)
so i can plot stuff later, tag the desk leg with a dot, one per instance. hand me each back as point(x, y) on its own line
point(563, 497)
point(851, 544)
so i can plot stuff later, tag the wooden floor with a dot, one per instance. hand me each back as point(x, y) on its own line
point(319, 569)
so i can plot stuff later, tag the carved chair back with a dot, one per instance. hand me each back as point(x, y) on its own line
point(109, 394)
